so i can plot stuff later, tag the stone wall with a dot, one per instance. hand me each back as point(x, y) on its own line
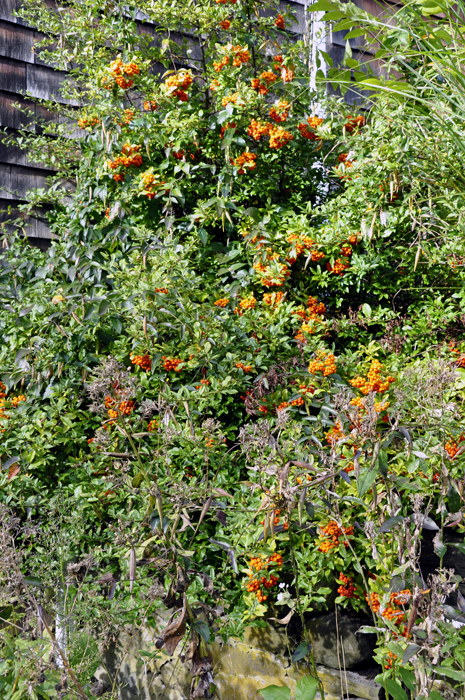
point(242, 667)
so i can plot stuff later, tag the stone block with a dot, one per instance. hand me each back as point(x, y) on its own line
point(267, 638)
point(336, 643)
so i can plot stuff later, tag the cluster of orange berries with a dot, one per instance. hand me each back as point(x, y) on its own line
point(253, 585)
point(307, 131)
point(125, 408)
point(17, 400)
point(221, 302)
point(142, 361)
point(338, 267)
point(246, 160)
point(228, 125)
point(181, 81)
point(300, 480)
point(280, 111)
point(452, 447)
point(346, 250)
point(299, 244)
point(347, 589)
point(298, 402)
point(224, 2)
point(203, 382)
point(335, 433)
point(150, 182)
point(324, 362)
point(153, 425)
point(119, 69)
point(391, 613)
point(277, 136)
point(273, 298)
point(262, 83)
point(282, 406)
point(150, 105)
point(314, 313)
point(209, 442)
point(334, 532)
point(279, 22)
point(172, 363)
point(230, 99)
point(390, 660)
point(244, 368)
point(360, 403)
point(248, 303)
point(225, 24)
point(129, 156)
point(304, 389)
point(373, 382)
point(287, 73)
point(161, 290)
point(85, 123)
point(239, 56)
point(354, 123)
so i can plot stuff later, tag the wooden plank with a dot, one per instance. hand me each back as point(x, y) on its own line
point(13, 75)
point(16, 41)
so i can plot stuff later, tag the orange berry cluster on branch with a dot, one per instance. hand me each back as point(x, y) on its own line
point(280, 111)
point(287, 72)
point(86, 122)
point(203, 382)
point(228, 125)
point(354, 123)
point(151, 184)
point(248, 302)
point(347, 589)
point(142, 361)
point(230, 99)
point(118, 69)
point(374, 381)
point(335, 434)
point(225, 24)
point(333, 532)
point(308, 131)
point(17, 400)
point(129, 156)
point(150, 105)
point(324, 362)
point(254, 585)
point(273, 298)
point(279, 22)
point(452, 447)
point(221, 302)
point(172, 363)
point(153, 425)
point(277, 136)
point(262, 83)
point(338, 267)
point(161, 290)
point(244, 368)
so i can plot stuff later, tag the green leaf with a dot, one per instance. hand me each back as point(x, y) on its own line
point(103, 308)
point(322, 6)
point(275, 692)
point(90, 311)
point(394, 689)
point(409, 652)
point(203, 629)
point(306, 688)
point(390, 523)
point(302, 650)
point(366, 481)
point(450, 673)
point(408, 678)
point(32, 581)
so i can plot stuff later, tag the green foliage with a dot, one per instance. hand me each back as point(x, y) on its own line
point(236, 374)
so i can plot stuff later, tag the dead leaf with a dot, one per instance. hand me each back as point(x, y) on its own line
point(221, 492)
point(207, 582)
point(182, 580)
point(285, 620)
point(221, 515)
point(174, 632)
point(13, 471)
point(132, 569)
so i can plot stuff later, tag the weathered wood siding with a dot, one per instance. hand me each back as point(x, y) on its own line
point(22, 72)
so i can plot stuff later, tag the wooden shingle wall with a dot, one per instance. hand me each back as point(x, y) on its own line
point(21, 72)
